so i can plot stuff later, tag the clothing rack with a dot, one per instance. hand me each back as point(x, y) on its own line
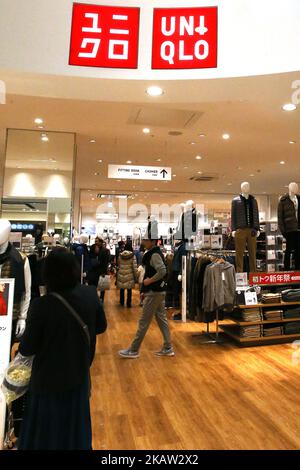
point(214, 338)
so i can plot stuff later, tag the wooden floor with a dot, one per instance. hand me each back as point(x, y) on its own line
point(206, 397)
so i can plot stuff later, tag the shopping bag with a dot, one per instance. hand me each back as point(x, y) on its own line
point(17, 378)
point(104, 283)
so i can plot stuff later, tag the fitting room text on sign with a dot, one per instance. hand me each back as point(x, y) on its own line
point(108, 36)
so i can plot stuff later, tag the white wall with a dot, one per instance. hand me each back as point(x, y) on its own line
point(37, 183)
point(255, 37)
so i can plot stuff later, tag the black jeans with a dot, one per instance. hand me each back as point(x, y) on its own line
point(292, 244)
point(122, 297)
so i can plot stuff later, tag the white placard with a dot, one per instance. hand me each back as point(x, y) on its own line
point(216, 241)
point(6, 316)
point(274, 227)
point(241, 279)
point(251, 298)
point(136, 172)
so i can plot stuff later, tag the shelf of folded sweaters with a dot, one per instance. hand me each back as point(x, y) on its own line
point(267, 321)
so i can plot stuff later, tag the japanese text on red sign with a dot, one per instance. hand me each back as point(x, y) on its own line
point(104, 36)
point(184, 38)
point(275, 278)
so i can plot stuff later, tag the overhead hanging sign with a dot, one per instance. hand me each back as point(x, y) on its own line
point(131, 172)
point(108, 36)
point(6, 313)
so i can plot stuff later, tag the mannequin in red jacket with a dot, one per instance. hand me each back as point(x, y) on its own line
point(3, 305)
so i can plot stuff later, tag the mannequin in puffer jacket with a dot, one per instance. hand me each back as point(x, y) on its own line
point(127, 274)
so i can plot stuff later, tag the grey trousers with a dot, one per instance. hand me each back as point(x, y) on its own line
point(154, 304)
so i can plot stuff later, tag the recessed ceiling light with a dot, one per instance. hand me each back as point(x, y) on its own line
point(100, 161)
point(129, 162)
point(146, 130)
point(226, 136)
point(202, 135)
point(239, 168)
point(119, 181)
point(154, 91)
point(192, 143)
point(38, 121)
point(93, 198)
point(45, 138)
point(97, 174)
point(185, 167)
point(282, 162)
point(41, 127)
point(92, 141)
point(292, 142)
point(229, 184)
point(199, 172)
point(158, 159)
point(174, 176)
point(198, 157)
point(155, 189)
point(289, 107)
point(89, 190)
point(251, 175)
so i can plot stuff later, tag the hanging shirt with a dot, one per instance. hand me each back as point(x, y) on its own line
point(294, 200)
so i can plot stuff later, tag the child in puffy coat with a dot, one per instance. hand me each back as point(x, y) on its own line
point(127, 275)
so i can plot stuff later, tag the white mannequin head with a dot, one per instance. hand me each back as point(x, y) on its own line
point(56, 237)
point(66, 241)
point(29, 236)
point(293, 189)
point(84, 239)
point(189, 204)
point(5, 229)
point(245, 187)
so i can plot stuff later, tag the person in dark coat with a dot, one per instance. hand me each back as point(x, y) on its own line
point(57, 416)
point(100, 256)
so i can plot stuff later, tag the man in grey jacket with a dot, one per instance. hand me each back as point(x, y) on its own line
point(154, 291)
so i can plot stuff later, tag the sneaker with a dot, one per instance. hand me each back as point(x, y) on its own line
point(165, 352)
point(128, 354)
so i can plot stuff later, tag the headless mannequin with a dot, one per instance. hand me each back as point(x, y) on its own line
point(245, 223)
point(289, 224)
point(5, 229)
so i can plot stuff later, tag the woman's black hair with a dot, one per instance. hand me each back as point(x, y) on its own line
point(61, 270)
point(128, 247)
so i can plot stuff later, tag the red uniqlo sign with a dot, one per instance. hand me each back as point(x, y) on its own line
point(185, 38)
point(289, 277)
point(104, 36)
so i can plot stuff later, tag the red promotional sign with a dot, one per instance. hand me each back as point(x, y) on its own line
point(185, 38)
point(289, 277)
point(104, 36)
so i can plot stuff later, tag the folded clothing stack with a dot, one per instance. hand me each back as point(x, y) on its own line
point(254, 331)
point(273, 314)
point(292, 313)
point(251, 314)
point(291, 295)
point(274, 330)
point(271, 298)
point(292, 328)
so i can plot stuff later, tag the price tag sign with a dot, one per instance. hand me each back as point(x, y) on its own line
point(241, 279)
point(251, 298)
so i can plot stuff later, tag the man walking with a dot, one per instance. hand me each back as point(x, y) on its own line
point(154, 292)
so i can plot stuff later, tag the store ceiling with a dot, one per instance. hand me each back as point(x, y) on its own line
point(249, 109)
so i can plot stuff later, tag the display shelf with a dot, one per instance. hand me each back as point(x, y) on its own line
point(261, 305)
point(229, 330)
point(263, 322)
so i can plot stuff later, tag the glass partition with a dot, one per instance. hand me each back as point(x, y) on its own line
point(38, 182)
